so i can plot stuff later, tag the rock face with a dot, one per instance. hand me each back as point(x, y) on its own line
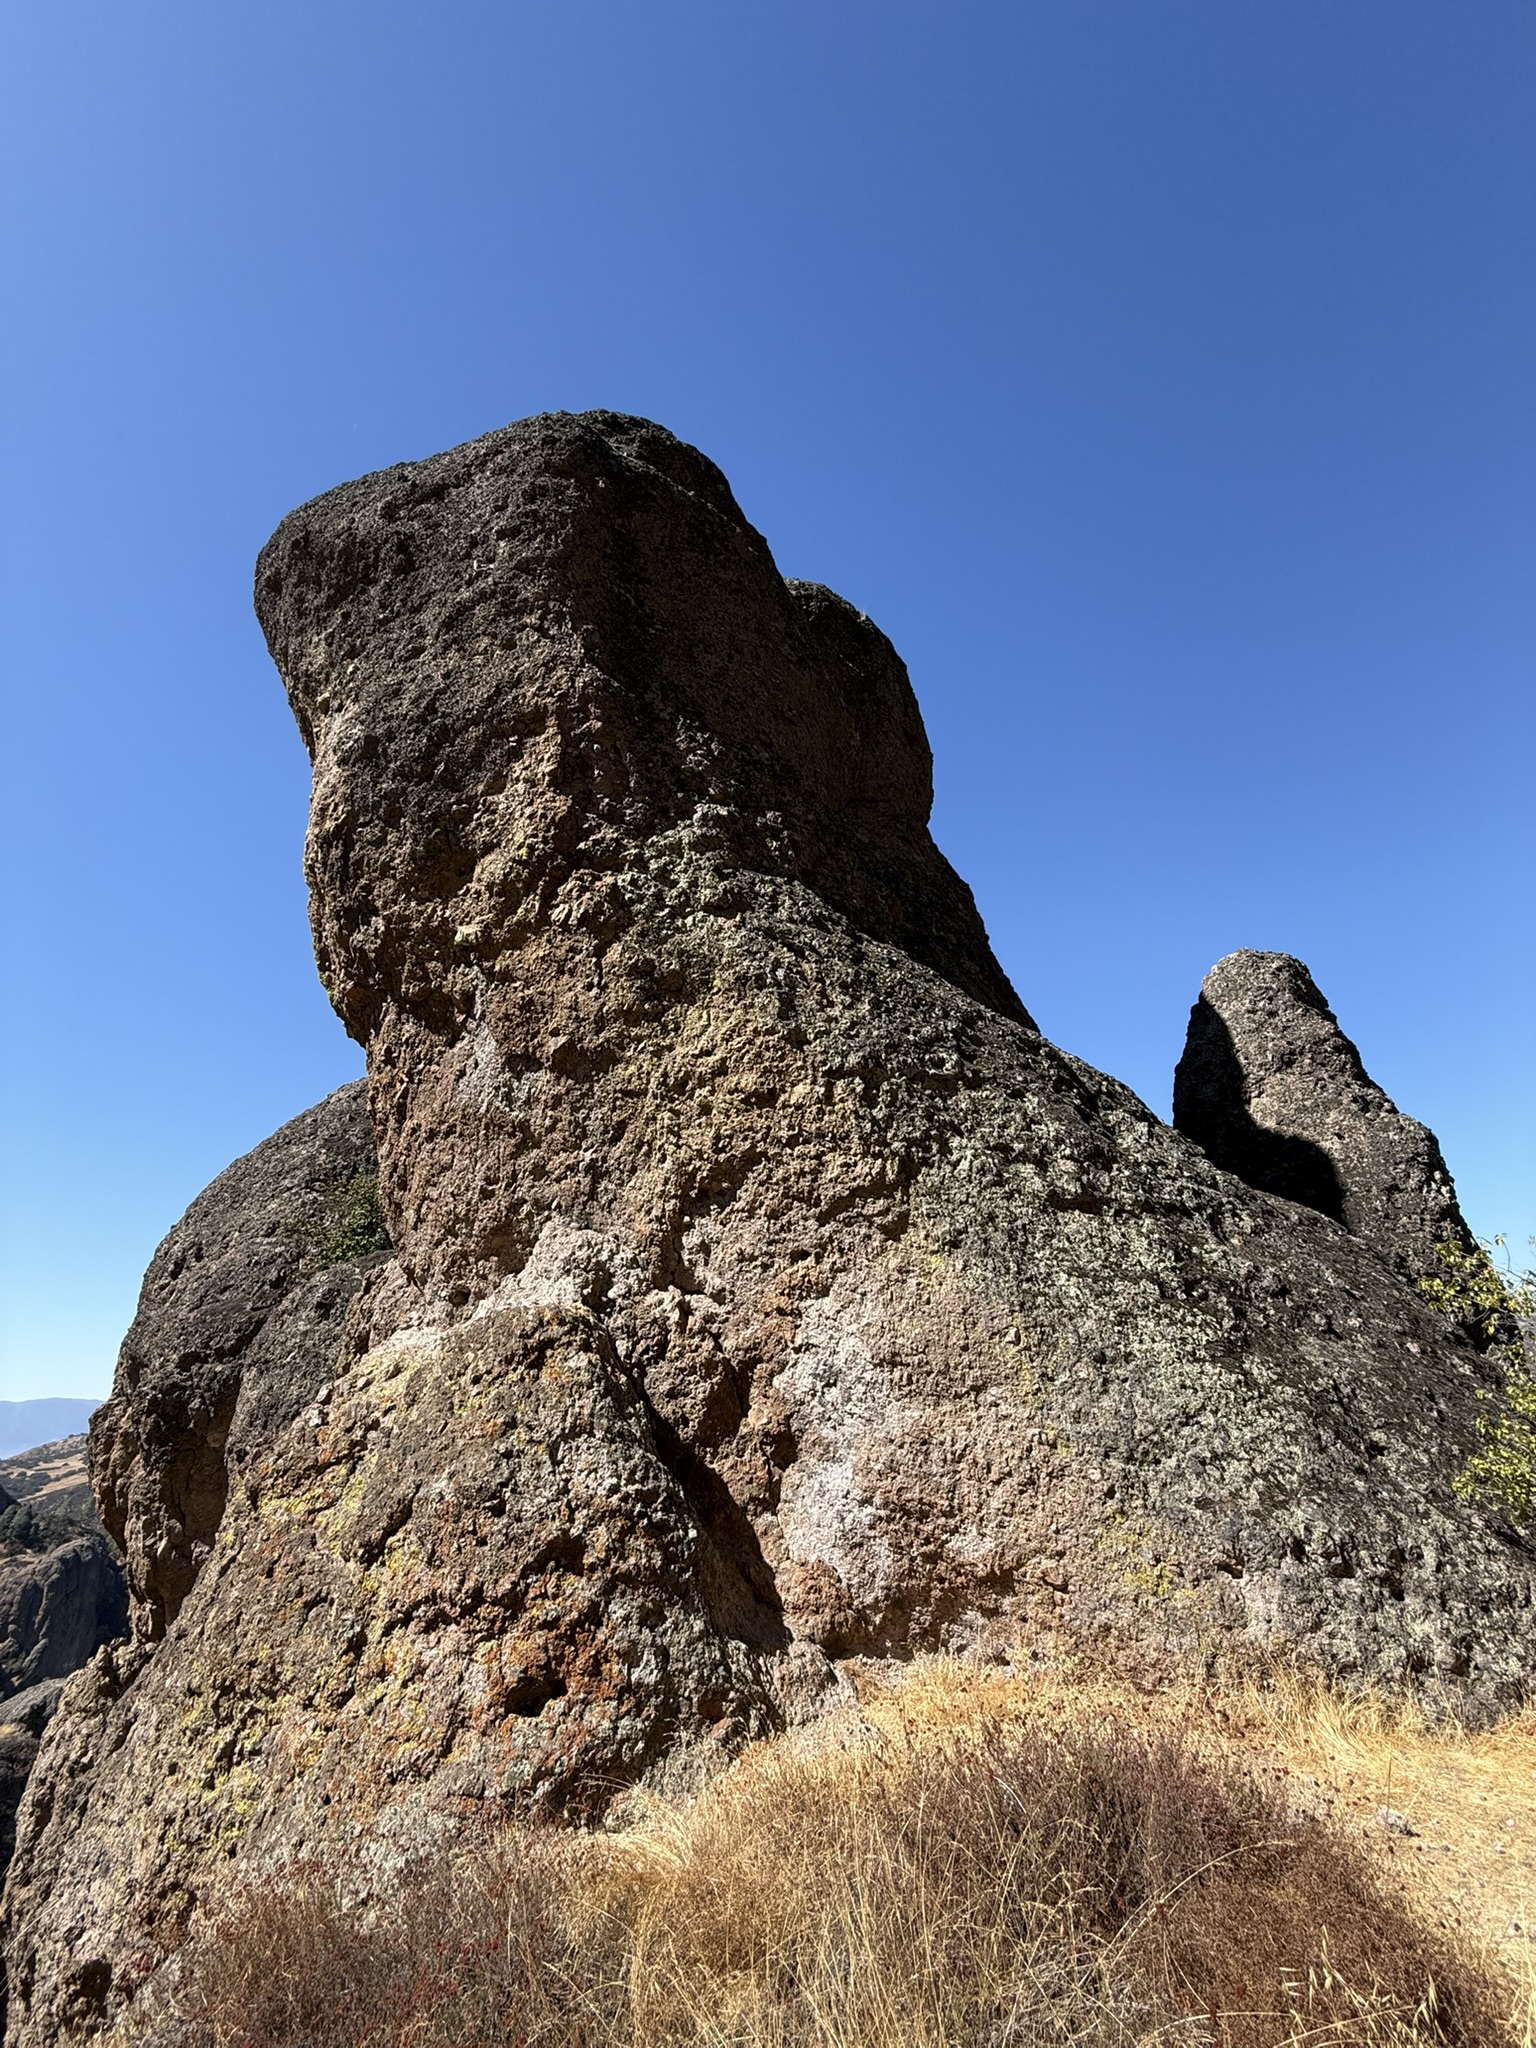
point(23, 1717)
point(1270, 1088)
point(238, 1323)
point(768, 1293)
point(62, 1595)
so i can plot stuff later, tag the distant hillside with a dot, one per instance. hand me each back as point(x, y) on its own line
point(25, 1424)
point(53, 1477)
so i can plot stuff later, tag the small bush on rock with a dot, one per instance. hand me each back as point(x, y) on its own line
point(1499, 1306)
point(343, 1221)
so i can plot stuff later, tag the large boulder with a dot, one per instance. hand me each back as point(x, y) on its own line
point(768, 1293)
point(238, 1323)
point(1270, 1088)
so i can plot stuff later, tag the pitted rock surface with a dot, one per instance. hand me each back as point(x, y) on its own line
point(768, 1293)
point(1270, 1088)
point(240, 1320)
point(62, 1595)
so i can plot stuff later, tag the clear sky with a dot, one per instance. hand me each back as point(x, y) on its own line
point(1160, 374)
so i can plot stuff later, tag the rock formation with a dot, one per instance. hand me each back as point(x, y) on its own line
point(767, 1292)
point(23, 1717)
point(62, 1596)
point(238, 1324)
point(1270, 1088)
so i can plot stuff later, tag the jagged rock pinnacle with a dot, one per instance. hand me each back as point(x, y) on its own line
point(1270, 1088)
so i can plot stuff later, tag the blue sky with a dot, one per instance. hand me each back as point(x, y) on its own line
point(1161, 374)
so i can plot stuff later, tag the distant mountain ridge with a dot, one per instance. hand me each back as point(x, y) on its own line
point(26, 1424)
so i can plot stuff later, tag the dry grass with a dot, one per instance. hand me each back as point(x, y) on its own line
point(1470, 1797)
point(967, 1862)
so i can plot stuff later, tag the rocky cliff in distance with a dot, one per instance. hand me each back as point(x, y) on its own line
point(61, 1596)
point(767, 1292)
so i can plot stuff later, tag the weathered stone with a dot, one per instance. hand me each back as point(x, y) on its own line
point(23, 1717)
point(61, 1597)
point(239, 1321)
point(1270, 1088)
point(768, 1292)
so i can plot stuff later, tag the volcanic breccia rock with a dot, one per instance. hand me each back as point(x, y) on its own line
point(766, 1292)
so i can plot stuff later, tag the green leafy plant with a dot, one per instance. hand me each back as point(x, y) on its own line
point(1480, 1289)
point(342, 1221)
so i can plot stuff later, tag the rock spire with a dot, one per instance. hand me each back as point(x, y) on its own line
point(1270, 1088)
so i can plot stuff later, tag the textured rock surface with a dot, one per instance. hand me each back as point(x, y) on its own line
point(23, 1717)
point(768, 1291)
point(62, 1595)
point(1270, 1088)
point(239, 1320)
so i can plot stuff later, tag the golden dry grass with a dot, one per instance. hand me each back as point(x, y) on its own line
point(969, 1860)
point(1470, 1797)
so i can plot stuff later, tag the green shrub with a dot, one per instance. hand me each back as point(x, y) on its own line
point(342, 1221)
point(1498, 1305)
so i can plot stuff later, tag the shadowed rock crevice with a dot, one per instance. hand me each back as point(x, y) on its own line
point(736, 1582)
